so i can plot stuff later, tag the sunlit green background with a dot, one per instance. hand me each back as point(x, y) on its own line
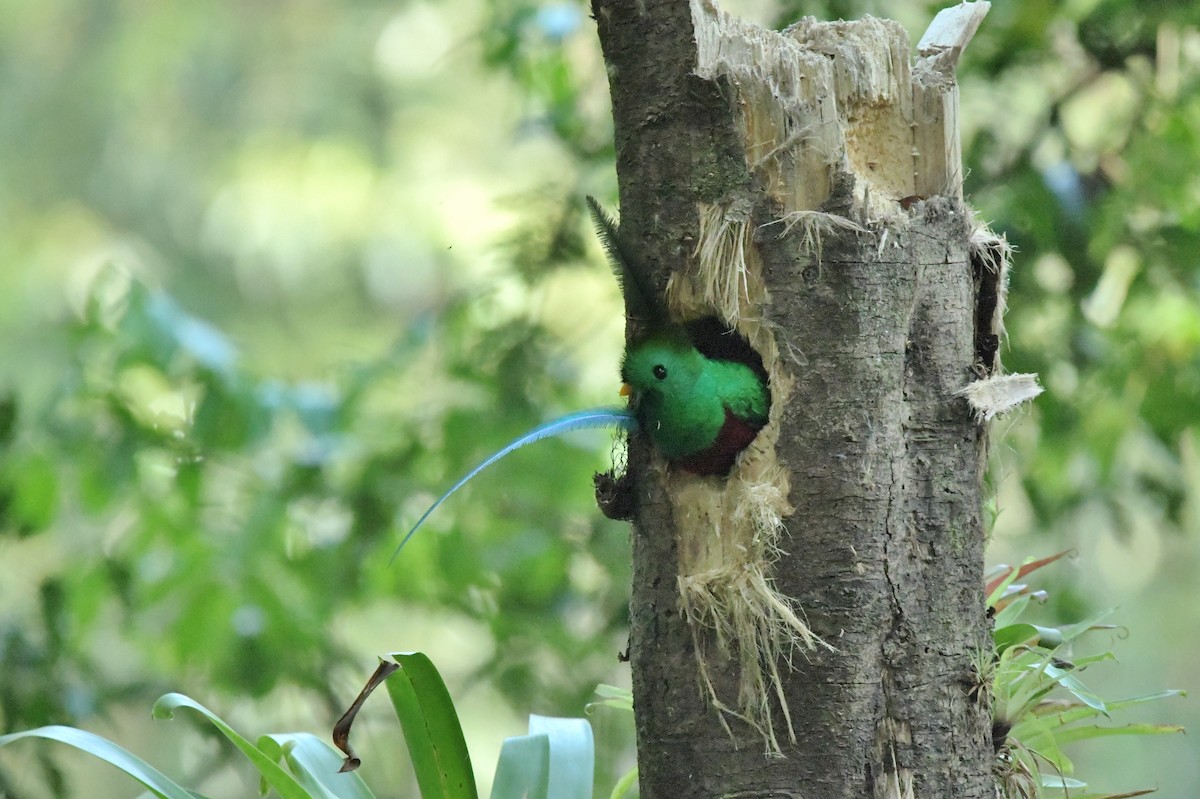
point(272, 274)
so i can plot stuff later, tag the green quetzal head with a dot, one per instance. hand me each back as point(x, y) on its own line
point(662, 366)
point(667, 379)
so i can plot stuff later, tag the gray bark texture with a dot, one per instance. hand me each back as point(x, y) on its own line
point(879, 324)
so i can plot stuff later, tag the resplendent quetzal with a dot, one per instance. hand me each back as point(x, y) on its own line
point(700, 412)
point(697, 389)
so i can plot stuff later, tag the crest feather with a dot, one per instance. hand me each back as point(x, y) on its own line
point(640, 297)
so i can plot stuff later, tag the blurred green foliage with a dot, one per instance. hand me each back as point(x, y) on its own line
point(555, 760)
point(272, 275)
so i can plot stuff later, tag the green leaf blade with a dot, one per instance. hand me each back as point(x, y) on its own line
point(612, 696)
point(1085, 733)
point(315, 764)
point(431, 729)
point(624, 784)
point(523, 770)
point(272, 773)
point(572, 755)
point(1077, 689)
point(154, 780)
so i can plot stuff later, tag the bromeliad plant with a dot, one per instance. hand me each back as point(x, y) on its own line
point(1032, 673)
point(1039, 702)
point(555, 760)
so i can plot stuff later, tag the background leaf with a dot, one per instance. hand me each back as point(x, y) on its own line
point(94, 745)
point(271, 773)
point(523, 770)
point(431, 729)
point(315, 764)
point(572, 755)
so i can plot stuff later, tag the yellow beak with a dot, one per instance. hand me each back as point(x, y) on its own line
point(626, 390)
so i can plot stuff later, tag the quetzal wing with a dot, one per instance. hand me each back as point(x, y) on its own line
point(743, 392)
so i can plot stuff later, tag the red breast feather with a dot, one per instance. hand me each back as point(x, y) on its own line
point(716, 460)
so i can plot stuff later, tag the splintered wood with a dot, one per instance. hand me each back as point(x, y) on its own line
point(828, 100)
point(845, 133)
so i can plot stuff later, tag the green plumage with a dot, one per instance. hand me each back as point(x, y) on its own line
point(685, 400)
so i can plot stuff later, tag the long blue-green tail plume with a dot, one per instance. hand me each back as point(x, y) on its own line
point(619, 418)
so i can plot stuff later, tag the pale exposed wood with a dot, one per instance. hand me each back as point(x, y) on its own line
point(996, 395)
point(937, 147)
point(823, 101)
point(951, 30)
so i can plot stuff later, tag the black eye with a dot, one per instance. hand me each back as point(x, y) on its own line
point(660, 372)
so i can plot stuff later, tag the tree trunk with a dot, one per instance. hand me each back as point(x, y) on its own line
point(805, 188)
